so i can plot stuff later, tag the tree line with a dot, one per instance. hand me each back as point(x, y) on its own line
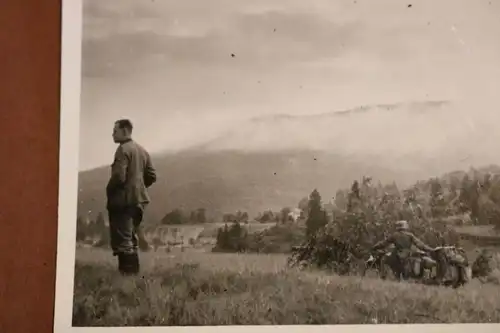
point(364, 213)
point(199, 216)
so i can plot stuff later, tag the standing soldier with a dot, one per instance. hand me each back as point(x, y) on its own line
point(132, 173)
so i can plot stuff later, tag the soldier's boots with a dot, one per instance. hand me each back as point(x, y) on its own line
point(128, 263)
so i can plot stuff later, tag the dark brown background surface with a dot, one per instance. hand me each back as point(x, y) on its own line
point(29, 145)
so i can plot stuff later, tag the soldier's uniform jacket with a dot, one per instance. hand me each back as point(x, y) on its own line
point(402, 241)
point(132, 173)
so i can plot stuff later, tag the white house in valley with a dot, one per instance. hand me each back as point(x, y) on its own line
point(295, 214)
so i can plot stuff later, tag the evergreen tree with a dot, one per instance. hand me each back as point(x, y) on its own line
point(316, 216)
point(285, 214)
point(469, 197)
point(232, 239)
point(198, 216)
point(340, 200)
point(225, 240)
point(303, 205)
point(437, 202)
point(355, 190)
point(237, 238)
point(463, 196)
point(220, 237)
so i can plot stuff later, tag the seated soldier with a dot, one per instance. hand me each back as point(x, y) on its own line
point(402, 239)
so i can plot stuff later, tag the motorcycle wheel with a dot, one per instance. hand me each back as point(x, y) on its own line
point(462, 277)
point(367, 267)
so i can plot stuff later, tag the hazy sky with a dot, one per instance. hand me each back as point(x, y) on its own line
point(168, 64)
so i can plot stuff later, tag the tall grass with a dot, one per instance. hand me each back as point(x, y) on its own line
point(210, 289)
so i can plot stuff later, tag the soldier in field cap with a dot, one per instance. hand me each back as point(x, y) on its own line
point(132, 173)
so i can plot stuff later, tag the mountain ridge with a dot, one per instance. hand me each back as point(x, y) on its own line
point(269, 163)
point(413, 107)
point(224, 182)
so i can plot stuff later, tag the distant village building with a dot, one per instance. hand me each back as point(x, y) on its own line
point(295, 214)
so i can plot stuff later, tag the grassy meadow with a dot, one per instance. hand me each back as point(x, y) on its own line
point(203, 288)
point(183, 283)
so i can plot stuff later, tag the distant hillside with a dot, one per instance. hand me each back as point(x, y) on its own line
point(230, 181)
point(274, 161)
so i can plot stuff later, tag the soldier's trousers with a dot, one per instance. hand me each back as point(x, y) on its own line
point(123, 227)
point(399, 265)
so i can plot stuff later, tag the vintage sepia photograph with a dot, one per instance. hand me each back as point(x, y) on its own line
point(280, 162)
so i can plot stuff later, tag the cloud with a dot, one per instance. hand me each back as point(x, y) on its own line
point(133, 36)
point(291, 56)
point(119, 41)
point(277, 36)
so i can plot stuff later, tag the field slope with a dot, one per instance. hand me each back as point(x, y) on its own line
point(230, 289)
